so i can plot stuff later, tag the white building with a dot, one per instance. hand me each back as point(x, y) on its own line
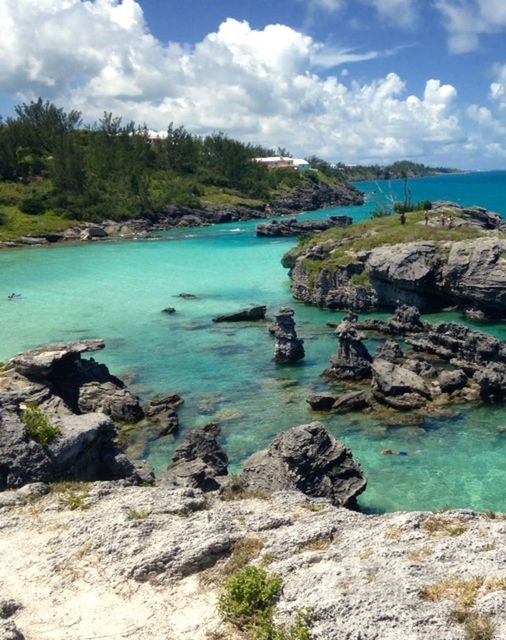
point(282, 162)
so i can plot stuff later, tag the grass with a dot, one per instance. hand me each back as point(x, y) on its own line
point(440, 525)
point(76, 501)
point(371, 234)
point(321, 543)
point(464, 593)
point(243, 552)
point(214, 196)
point(133, 514)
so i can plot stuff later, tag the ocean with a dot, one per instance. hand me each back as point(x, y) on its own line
point(225, 372)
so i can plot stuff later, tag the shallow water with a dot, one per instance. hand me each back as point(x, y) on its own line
point(116, 291)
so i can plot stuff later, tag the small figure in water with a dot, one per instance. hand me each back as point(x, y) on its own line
point(14, 296)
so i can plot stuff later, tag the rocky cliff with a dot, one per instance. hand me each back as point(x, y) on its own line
point(382, 263)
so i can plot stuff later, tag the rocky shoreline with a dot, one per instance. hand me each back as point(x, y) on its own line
point(468, 273)
point(308, 199)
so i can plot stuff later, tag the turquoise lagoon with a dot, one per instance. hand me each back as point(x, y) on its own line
point(116, 291)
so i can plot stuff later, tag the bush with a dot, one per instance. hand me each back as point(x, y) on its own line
point(38, 426)
point(35, 205)
point(248, 604)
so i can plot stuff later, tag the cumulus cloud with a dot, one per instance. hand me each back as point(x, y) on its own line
point(403, 13)
point(466, 20)
point(260, 85)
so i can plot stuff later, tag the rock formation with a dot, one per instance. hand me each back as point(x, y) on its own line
point(252, 314)
point(199, 462)
point(397, 386)
point(294, 227)
point(161, 411)
point(81, 399)
point(288, 347)
point(310, 460)
point(428, 274)
point(353, 360)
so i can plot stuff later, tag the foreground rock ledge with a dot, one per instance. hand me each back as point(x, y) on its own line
point(148, 563)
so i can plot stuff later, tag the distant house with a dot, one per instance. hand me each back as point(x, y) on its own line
point(282, 162)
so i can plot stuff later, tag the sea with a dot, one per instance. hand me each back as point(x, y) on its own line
point(225, 372)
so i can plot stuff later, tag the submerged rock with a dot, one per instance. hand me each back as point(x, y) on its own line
point(307, 459)
point(321, 401)
point(161, 411)
point(253, 313)
point(288, 348)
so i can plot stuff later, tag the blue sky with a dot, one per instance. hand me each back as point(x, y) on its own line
point(349, 80)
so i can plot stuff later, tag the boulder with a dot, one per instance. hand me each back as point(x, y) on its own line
point(86, 450)
point(306, 459)
point(294, 227)
point(288, 347)
point(93, 233)
point(110, 399)
point(397, 386)
point(161, 411)
point(169, 310)
point(251, 314)
point(353, 360)
point(352, 401)
point(492, 382)
point(199, 462)
point(390, 351)
point(321, 401)
point(451, 381)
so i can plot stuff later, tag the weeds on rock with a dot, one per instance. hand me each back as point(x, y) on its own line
point(133, 514)
point(464, 594)
point(248, 603)
point(320, 543)
point(77, 501)
point(438, 525)
point(242, 553)
point(234, 490)
point(38, 426)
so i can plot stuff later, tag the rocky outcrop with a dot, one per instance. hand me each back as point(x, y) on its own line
point(80, 399)
point(397, 386)
point(294, 227)
point(288, 347)
point(428, 274)
point(306, 459)
point(406, 320)
point(152, 561)
point(199, 462)
point(353, 360)
point(161, 412)
point(85, 449)
point(244, 315)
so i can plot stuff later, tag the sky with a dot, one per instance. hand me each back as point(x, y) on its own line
point(354, 81)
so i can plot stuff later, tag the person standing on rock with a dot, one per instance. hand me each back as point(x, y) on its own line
point(443, 220)
point(426, 215)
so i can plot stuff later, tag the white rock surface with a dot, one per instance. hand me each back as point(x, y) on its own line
point(133, 564)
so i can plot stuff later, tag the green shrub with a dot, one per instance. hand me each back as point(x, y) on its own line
point(38, 426)
point(34, 205)
point(248, 604)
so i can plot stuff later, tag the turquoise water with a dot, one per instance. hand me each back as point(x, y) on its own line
point(116, 291)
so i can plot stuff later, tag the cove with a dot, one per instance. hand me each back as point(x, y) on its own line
point(116, 291)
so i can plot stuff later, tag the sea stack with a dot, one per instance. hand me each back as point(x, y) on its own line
point(289, 348)
point(353, 360)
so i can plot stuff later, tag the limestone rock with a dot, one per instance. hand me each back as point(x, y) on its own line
point(288, 348)
point(110, 399)
point(161, 411)
point(321, 401)
point(251, 314)
point(306, 459)
point(41, 362)
point(198, 462)
point(353, 360)
point(397, 386)
point(450, 381)
point(352, 401)
point(294, 227)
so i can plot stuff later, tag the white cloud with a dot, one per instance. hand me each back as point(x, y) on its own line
point(466, 20)
point(403, 13)
point(258, 85)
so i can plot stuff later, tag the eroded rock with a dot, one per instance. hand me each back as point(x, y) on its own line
point(288, 347)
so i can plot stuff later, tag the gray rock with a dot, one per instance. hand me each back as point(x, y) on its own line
point(40, 363)
point(161, 411)
point(397, 386)
point(321, 401)
point(352, 401)
point(288, 347)
point(310, 460)
point(451, 381)
point(251, 314)
point(390, 351)
point(294, 227)
point(110, 399)
point(198, 462)
point(353, 360)
point(8, 608)
point(9, 631)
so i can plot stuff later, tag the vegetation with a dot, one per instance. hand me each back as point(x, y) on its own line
point(38, 426)
point(396, 170)
point(55, 171)
point(464, 594)
point(247, 603)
